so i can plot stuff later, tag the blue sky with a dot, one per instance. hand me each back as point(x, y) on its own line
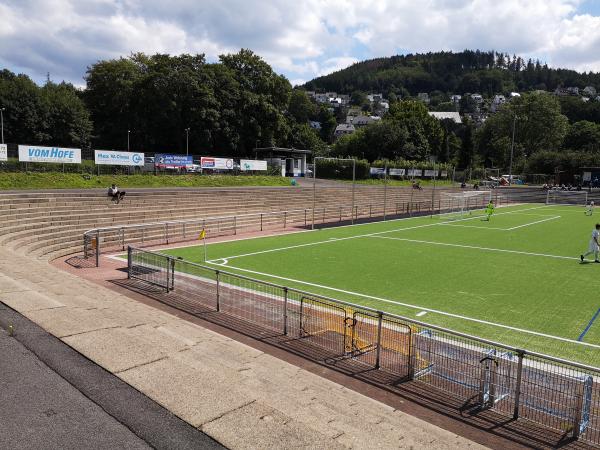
point(301, 39)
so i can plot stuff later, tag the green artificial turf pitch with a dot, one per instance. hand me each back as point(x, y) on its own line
point(516, 279)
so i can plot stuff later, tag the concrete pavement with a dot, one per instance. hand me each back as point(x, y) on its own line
point(238, 395)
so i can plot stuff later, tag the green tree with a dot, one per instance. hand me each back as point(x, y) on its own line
point(301, 107)
point(583, 136)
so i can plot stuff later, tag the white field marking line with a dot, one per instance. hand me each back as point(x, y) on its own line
point(421, 308)
point(472, 226)
point(533, 223)
point(474, 247)
point(330, 240)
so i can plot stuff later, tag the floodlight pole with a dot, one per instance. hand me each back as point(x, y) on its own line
point(187, 142)
point(353, 186)
point(128, 132)
point(433, 190)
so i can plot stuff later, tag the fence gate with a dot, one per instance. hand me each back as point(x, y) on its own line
point(363, 337)
point(324, 325)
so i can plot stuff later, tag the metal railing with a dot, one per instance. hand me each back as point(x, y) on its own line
point(411, 202)
point(517, 383)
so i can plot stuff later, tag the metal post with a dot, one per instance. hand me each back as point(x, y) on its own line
point(314, 192)
point(218, 291)
point(512, 149)
point(353, 183)
point(379, 326)
point(384, 190)
point(370, 210)
point(172, 260)
point(412, 191)
point(128, 131)
point(98, 248)
point(261, 221)
point(167, 232)
point(2, 122)
point(305, 217)
point(183, 230)
point(518, 385)
point(340, 213)
point(123, 238)
point(433, 191)
point(234, 225)
point(284, 219)
point(187, 142)
point(129, 262)
point(285, 305)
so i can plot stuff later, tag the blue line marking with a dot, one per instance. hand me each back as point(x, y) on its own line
point(589, 325)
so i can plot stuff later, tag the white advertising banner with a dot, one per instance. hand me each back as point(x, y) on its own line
point(34, 153)
point(252, 164)
point(430, 173)
point(377, 171)
point(113, 158)
point(415, 172)
point(206, 162)
point(3, 152)
point(397, 172)
point(444, 174)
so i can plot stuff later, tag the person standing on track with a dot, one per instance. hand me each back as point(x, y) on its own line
point(594, 246)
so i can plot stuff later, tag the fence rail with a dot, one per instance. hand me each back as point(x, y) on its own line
point(517, 383)
point(412, 202)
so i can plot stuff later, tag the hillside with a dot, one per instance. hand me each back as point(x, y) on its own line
point(486, 72)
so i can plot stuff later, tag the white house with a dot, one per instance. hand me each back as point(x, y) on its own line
point(498, 101)
point(446, 115)
point(315, 125)
point(375, 97)
point(589, 91)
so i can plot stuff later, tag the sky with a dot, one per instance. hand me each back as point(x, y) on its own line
point(301, 39)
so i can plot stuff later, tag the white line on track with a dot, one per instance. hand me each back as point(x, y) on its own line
point(475, 247)
point(331, 240)
point(420, 308)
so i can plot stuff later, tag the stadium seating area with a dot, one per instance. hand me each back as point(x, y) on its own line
point(49, 225)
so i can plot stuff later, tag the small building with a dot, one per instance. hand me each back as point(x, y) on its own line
point(321, 98)
point(423, 97)
point(456, 99)
point(361, 121)
point(315, 125)
point(446, 115)
point(477, 98)
point(589, 91)
point(374, 97)
point(291, 161)
point(497, 102)
point(342, 129)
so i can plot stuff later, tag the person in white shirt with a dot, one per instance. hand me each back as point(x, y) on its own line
point(115, 193)
point(589, 210)
point(594, 246)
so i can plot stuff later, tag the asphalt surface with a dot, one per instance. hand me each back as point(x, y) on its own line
point(52, 397)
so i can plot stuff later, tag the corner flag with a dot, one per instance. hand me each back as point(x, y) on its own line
point(202, 236)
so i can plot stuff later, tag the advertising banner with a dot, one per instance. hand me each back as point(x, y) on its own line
point(430, 173)
point(34, 153)
point(113, 158)
point(397, 172)
point(252, 164)
point(207, 162)
point(377, 171)
point(170, 161)
point(3, 152)
point(444, 174)
point(415, 172)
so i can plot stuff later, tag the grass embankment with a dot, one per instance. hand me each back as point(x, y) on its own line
point(58, 180)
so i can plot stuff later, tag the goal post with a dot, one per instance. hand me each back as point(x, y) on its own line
point(560, 197)
point(458, 205)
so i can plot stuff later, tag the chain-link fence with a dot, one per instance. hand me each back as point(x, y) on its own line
point(515, 383)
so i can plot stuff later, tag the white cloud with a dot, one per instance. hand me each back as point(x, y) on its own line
point(302, 39)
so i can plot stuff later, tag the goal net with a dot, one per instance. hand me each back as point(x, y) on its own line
point(457, 205)
point(558, 197)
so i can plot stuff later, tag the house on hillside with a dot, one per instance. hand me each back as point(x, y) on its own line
point(446, 115)
point(497, 102)
point(589, 91)
point(423, 97)
point(343, 129)
point(375, 97)
point(361, 121)
point(563, 92)
point(321, 98)
point(315, 125)
point(344, 98)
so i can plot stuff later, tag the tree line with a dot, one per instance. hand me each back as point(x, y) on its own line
point(238, 103)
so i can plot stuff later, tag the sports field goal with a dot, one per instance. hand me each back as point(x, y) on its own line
point(558, 197)
point(458, 205)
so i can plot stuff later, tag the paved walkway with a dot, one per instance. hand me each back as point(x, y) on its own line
point(240, 396)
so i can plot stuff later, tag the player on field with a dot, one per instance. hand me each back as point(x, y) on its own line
point(594, 246)
point(489, 210)
point(589, 210)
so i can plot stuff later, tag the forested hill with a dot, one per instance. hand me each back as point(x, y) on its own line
point(487, 73)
